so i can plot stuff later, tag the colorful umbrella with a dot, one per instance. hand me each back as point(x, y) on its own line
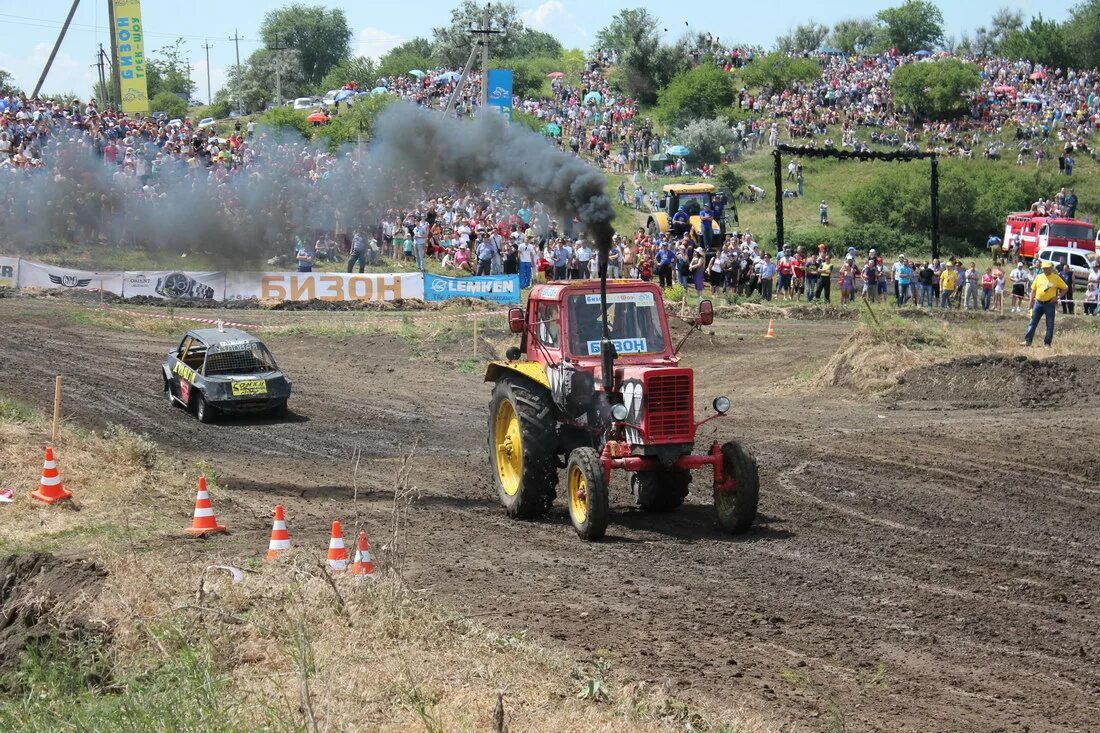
point(555, 75)
point(1037, 76)
point(343, 94)
point(447, 76)
point(317, 118)
point(680, 151)
point(379, 90)
point(1030, 100)
point(923, 53)
point(552, 129)
point(593, 96)
point(416, 72)
point(1004, 89)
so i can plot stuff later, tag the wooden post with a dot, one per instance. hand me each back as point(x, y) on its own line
point(56, 408)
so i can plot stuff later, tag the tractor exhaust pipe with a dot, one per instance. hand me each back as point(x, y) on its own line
point(607, 349)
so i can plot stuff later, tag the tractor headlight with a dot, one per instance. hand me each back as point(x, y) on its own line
point(620, 412)
point(722, 405)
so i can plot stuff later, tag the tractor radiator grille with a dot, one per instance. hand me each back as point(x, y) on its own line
point(668, 408)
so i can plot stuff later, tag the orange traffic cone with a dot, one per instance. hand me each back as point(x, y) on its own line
point(204, 522)
point(50, 488)
point(337, 553)
point(771, 330)
point(362, 564)
point(280, 538)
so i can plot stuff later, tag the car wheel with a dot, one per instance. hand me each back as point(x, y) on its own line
point(203, 411)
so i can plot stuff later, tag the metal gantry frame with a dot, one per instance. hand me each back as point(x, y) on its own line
point(858, 155)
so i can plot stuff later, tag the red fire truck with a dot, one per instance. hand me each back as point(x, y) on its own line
point(1037, 231)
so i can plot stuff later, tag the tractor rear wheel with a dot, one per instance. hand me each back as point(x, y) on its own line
point(737, 509)
point(589, 505)
point(663, 490)
point(522, 447)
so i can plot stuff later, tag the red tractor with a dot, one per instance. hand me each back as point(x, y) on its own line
point(596, 385)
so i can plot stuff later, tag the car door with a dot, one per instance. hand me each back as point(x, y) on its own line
point(175, 358)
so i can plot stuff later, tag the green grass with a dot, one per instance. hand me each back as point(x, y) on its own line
point(13, 410)
point(59, 687)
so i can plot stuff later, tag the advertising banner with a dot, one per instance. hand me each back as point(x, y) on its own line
point(174, 284)
point(500, 91)
point(334, 286)
point(9, 272)
point(130, 64)
point(37, 275)
point(496, 288)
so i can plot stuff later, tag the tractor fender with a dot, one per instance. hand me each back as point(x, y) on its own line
point(660, 218)
point(533, 370)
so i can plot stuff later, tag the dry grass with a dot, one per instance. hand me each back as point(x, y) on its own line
point(286, 649)
point(879, 351)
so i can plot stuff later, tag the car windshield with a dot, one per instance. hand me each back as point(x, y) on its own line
point(1071, 231)
point(693, 203)
point(633, 319)
point(251, 359)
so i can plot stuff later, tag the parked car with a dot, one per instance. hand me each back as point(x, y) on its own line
point(1078, 259)
point(217, 370)
point(206, 122)
point(304, 103)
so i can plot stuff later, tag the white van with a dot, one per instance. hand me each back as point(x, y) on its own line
point(303, 103)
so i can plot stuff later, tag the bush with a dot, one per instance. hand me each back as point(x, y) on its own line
point(169, 104)
point(695, 95)
point(705, 138)
point(285, 118)
point(935, 89)
point(730, 179)
point(350, 123)
point(778, 71)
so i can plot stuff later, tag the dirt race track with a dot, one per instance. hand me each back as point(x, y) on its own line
point(908, 572)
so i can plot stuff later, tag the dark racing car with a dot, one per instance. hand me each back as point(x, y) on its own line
point(224, 370)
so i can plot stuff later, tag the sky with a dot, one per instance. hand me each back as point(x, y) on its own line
point(30, 28)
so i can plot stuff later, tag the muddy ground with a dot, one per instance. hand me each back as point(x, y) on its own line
point(922, 562)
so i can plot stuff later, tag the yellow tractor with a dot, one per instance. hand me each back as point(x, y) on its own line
point(692, 197)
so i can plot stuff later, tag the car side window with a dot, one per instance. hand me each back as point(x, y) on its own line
point(195, 355)
point(1078, 261)
point(548, 326)
point(184, 345)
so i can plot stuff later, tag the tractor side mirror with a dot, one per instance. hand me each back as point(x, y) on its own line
point(706, 313)
point(516, 320)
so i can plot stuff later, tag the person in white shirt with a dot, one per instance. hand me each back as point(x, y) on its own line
point(1019, 277)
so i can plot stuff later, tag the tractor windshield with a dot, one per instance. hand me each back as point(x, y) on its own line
point(693, 203)
point(632, 318)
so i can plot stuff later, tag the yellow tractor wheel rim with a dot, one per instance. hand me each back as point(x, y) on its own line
point(509, 448)
point(578, 495)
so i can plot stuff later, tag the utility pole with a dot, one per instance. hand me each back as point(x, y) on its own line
point(236, 38)
point(116, 83)
point(483, 35)
point(278, 76)
point(207, 45)
point(56, 46)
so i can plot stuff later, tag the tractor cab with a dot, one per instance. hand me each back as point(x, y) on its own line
point(693, 197)
point(575, 395)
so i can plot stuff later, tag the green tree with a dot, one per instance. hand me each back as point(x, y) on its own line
point(626, 29)
point(451, 43)
point(705, 138)
point(1083, 33)
point(360, 70)
point(778, 71)
point(418, 46)
point(648, 68)
point(694, 95)
point(1041, 41)
point(320, 37)
point(400, 64)
point(988, 39)
point(808, 36)
point(935, 90)
point(856, 35)
point(283, 119)
point(255, 78)
point(168, 70)
point(729, 179)
point(169, 104)
point(353, 122)
point(912, 26)
point(7, 82)
point(528, 75)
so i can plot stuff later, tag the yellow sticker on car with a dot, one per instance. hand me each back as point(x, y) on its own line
point(249, 387)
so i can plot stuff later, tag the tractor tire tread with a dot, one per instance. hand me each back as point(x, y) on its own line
point(538, 431)
point(742, 512)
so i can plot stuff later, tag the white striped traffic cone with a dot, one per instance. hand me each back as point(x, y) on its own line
point(280, 538)
point(204, 522)
point(50, 488)
point(337, 553)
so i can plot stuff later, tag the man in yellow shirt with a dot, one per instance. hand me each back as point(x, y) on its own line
point(948, 279)
point(1046, 288)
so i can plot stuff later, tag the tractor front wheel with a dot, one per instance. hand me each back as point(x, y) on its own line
point(736, 509)
point(589, 506)
point(522, 447)
point(663, 490)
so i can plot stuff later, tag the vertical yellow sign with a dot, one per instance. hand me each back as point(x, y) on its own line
point(130, 45)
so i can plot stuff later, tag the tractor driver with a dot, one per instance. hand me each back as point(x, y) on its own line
point(680, 222)
point(588, 326)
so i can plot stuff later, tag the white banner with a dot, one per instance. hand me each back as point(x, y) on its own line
point(37, 275)
point(174, 284)
point(9, 272)
point(334, 286)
